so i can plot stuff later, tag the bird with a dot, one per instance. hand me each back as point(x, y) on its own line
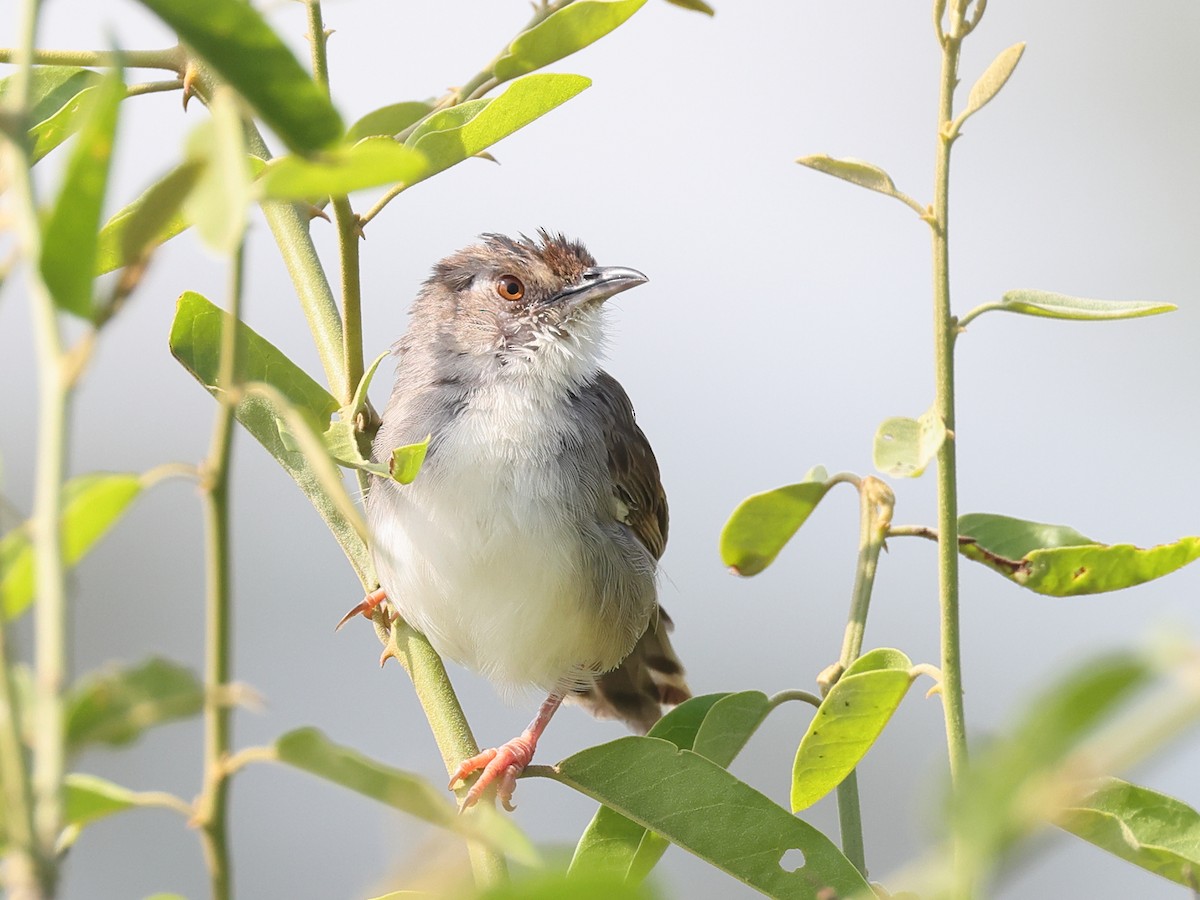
point(527, 547)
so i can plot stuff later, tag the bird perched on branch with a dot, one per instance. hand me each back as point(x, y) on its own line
point(526, 548)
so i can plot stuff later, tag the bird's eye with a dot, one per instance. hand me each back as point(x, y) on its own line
point(510, 287)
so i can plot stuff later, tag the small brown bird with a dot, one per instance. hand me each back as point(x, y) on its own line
point(527, 547)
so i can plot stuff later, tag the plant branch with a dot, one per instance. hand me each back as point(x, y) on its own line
point(154, 87)
point(211, 807)
point(170, 58)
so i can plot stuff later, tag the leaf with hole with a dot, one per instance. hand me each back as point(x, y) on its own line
point(452, 135)
point(69, 236)
point(905, 447)
point(92, 505)
point(1060, 562)
point(116, 706)
point(234, 38)
point(1047, 304)
point(991, 81)
point(311, 751)
point(763, 523)
point(563, 32)
point(371, 162)
point(389, 120)
point(695, 803)
point(848, 722)
point(1149, 829)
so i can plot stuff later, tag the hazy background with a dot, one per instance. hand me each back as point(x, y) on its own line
point(786, 316)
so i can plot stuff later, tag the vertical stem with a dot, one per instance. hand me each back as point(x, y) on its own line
point(876, 502)
point(218, 716)
point(352, 336)
point(21, 866)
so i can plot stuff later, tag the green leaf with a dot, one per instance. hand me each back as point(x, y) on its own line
point(856, 171)
point(694, 5)
point(696, 804)
point(849, 720)
point(904, 447)
point(57, 95)
point(152, 219)
point(1060, 562)
point(388, 120)
point(991, 81)
point(92, 504)
point(219, 201)
point(116, 706)
point(716, 726)
point(452, 135)
point(560, 34)
point(235, 40)
point(560, 886)
point(69, 235)
point(406, 461)
point(1060, 306)
point(89, 798)
point(196, 343)
point(1149, 829)
point(309, 750)
point(763, 523)
point(371, 162)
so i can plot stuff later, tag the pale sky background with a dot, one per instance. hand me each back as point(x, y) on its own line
point(787, 314)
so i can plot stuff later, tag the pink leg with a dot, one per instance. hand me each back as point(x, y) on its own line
point(367, 607)
point(504, 764)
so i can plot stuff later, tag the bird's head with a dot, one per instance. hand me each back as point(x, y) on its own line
point(534, 303)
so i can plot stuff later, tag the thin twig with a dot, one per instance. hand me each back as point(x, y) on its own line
point(169, 58)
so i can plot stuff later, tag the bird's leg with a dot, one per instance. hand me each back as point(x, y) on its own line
point(504, 764)
point(367, 607)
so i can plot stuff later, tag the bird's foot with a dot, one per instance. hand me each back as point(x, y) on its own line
point(500, 766)
point(367, 607)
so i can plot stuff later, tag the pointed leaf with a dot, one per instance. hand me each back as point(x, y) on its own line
point(196, 342)
point(233, 38)
point(850, 719)
point(89, 798)
point(1149, 829)
point(904, 447)
point(452, 135)
point(309, 750)
point(560, 34)
point(92, 504)
point(388, 120)
point(763, 523)
point(57, 95)
point(694, 5)
point(117, 705)
point(696, 804)
point(992, 80)
point(69, 235)
point(152, 219)
point(341, 170)
point(1059, 561)
point(856, 171)
point(1061, 306)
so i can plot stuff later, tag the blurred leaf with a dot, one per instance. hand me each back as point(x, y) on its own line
point(1061, 306)
point(152, 219)
point(1060, 562)
point(89, 798)
point(69, 236)
point(696, 804)
point(92, 504)
point(849, 720)
point(236, 41)
point(763, 523)
point(309, 750)
point(388, 120)
point(1149, 829)
point(855, 171)
point(452, 135)
point(716, 726)
point(992, 80)
point(694, 5)
point(217, 205)
point(560, 34)
point(196, 343)
point(904, 447)
point(57, 95)
point(371, 162)
point(116, 706)
point(561, 886)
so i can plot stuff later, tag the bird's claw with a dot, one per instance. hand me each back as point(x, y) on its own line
point(497, 765)
point(366, 607)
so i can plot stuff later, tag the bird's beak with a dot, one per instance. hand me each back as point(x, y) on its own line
point(599, 283)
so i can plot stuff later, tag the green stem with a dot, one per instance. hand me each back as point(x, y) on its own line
point(218, 715)
point(876, 502)
point(171, 58)
point(21, 858)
